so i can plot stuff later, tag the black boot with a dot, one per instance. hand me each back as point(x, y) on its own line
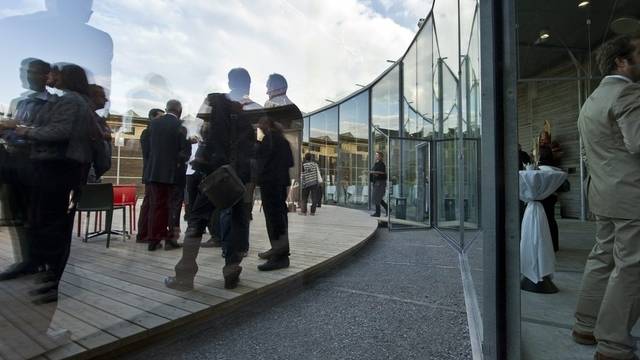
point(275, 264)
point(231, 275)
point(178, 284)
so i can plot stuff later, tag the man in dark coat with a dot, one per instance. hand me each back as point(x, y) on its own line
point(143, 219)
point(164, 167)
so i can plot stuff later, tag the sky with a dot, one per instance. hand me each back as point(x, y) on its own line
point(184, 48)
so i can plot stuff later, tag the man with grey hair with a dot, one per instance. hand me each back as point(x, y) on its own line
point(277, 90)
point(609, 124)
point(164, 169)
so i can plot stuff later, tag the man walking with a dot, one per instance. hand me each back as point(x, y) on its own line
point(609, 124)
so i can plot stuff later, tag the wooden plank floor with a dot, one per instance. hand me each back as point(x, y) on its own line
point(114, 297)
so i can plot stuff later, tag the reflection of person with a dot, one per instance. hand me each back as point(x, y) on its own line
point(378, 178)
point(166, 139)
point(61, 154)
point(143, 219)
point(609, 124)
point(16, 191)
point(309, 181)
point(277, 91)
point(97, 101)
point(60, 33)
point(213, 152)
point(274, 159)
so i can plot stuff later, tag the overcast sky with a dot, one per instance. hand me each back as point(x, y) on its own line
point(186, 47)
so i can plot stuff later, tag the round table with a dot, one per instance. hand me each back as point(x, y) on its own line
point(537, 259)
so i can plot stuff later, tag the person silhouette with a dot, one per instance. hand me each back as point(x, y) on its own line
point(59, 33)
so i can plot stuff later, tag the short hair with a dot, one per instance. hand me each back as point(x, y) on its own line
point(239, 78)
point(41, 66)
point(618, 47)
point(308, 157)
point(380, 153)
point(154, 112)
point(174, 105)
point(95, 89)
point(277, 82)
point(74, 78)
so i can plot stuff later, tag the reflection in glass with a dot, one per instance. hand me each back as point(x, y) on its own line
point(323, 144)
point(354, 151)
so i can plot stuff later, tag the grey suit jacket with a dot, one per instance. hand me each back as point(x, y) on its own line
point(609, 125)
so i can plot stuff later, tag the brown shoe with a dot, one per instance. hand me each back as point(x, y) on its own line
point(583, 338)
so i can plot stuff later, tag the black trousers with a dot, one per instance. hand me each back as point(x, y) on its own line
point(384, 205)
point(310, 191)
point(175, 207)
point(236, 220)
point(549, 205)
point(50, 211)
point(274, 206)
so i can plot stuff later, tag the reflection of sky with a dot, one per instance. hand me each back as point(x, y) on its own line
point(193, 44)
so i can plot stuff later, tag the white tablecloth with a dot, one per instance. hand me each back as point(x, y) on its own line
point(537, 258)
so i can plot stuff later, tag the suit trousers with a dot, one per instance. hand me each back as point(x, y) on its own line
point(159, 208)
point(175, 207)
point(609, 300)
point(274, 206)
point(143, 218)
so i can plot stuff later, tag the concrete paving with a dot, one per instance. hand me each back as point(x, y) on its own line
point(401, 297)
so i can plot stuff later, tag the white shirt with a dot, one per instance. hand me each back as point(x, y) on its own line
point(194, 149)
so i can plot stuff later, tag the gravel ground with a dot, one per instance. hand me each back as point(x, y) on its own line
point(400, 297)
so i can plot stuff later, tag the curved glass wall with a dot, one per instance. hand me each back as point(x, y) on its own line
point(353, 157)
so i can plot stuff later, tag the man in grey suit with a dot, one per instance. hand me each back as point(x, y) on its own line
point(609, 124)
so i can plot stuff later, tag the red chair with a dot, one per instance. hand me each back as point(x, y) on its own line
point(127, 196)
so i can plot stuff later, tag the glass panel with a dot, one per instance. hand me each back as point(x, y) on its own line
point(323, 144)
point(385, 109)
point(411, 127)
point(446, 151)
point(409, 188)
point(425, 74)
point(353, 161)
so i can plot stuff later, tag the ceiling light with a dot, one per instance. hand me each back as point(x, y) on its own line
point(544, 35)
point(583, 3)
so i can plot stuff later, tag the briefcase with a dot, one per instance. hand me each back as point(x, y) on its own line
point(223, 187)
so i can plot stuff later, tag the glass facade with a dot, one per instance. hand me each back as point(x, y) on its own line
point(353, 163)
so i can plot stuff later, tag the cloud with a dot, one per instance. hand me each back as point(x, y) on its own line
point(322, 47)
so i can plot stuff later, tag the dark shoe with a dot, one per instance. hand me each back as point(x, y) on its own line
point(153, 246)
point(17, 270)
point(231, 275)
point(266, 255)
point(312, 214)
point(47, 297)
point(244, 253)
point(583, 339)
point(375, 215)
point(211, 243)
point(274, 264)
point(180, 285)
point(45, 277)
point(171, 244)
point(224, 253)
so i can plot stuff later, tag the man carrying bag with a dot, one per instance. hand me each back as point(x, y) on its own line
point(224, 158)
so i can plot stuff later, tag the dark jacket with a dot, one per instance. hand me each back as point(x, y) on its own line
point(229, 129)
point(378, 166)
point(144, 145)
point(273, 160)
point(63, 129)
point(166, 161)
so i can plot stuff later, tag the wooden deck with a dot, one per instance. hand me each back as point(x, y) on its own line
point(112, 298)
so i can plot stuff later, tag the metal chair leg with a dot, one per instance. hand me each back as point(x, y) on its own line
point(107, 224)
point(124, 224)
point(86, 233)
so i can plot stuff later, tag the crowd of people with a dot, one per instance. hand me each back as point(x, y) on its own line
point(54, 144)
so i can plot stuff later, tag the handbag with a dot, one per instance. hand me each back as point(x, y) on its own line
point(223, 187)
